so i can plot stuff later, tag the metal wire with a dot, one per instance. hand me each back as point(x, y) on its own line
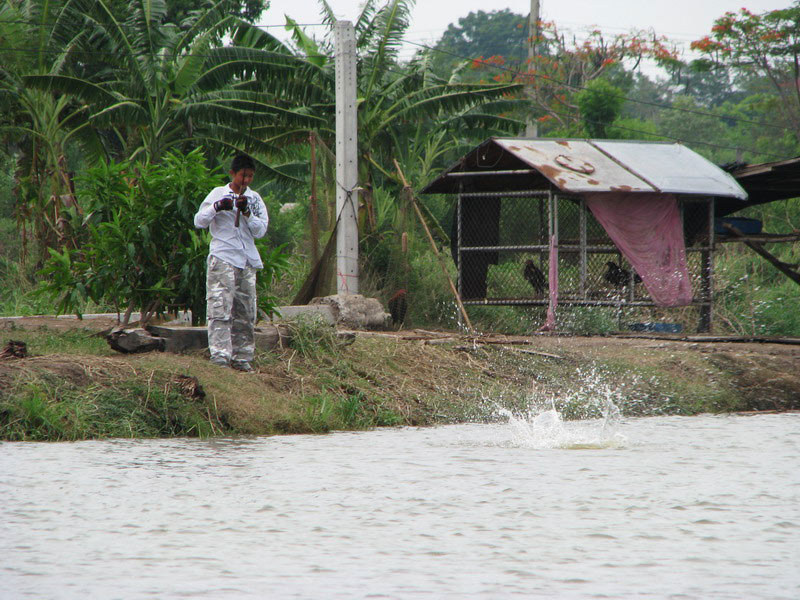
point(502, 244)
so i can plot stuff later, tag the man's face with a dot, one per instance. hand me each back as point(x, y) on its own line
point(241, 179)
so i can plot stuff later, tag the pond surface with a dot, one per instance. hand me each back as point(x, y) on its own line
point(701, 507)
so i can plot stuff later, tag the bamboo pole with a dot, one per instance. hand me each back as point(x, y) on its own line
point(314, 209)
point(320, 144)
point(413, 199)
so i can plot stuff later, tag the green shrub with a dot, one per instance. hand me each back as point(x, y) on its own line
point(138, 248)
point(56, 411)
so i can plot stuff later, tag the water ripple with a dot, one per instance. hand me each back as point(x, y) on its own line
point(508, 509)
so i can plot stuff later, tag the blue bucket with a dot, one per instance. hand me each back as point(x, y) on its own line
point(743, 224)
point(657, 327)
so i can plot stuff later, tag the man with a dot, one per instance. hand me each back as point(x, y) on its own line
point(236, 216)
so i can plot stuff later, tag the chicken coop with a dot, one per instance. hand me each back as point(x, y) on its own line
point(603, 223)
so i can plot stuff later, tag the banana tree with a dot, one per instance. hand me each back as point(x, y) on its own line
point(38, 126)
point(156, 87)
point(401, 106)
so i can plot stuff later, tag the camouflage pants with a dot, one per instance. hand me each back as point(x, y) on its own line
point(231, 311)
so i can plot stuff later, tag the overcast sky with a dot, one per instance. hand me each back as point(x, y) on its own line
point(680, 20)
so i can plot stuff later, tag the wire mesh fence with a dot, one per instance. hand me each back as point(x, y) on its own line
point(502, 247)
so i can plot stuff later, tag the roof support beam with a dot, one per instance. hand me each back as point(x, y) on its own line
point(479, 173)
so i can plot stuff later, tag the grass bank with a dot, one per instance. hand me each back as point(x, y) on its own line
point(71, 386)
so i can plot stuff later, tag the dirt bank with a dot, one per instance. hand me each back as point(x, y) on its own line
point(72, 386)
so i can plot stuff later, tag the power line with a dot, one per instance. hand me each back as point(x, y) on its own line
point(517, 72)
point(571, 27)
point(156, 55)
point(563, 114)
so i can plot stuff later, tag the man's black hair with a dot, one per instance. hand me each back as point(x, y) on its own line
point(242, 161)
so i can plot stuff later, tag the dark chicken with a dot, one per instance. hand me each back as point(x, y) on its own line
point(535, 277)
point(617, 276)
point(397, 307)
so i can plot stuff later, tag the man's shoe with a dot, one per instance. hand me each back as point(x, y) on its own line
point(220, 362)
point(242, 365)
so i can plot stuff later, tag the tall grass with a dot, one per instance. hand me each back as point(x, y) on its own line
point(329, 411)
point(43, 409)
point(756, 299)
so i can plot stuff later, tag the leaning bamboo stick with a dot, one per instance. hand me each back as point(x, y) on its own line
point(314, 210)
point(412, 198)
point(768, 256)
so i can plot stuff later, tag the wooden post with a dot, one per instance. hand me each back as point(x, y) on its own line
point(707, 278)
point(346, 160)
point(410, 192)
point(330, 157)
point(583, 243)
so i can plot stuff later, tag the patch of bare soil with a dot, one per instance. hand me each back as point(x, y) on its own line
point(67, 368)
point(762, 375)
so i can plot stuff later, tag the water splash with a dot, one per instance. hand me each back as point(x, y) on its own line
point(548, 429)
point(543, 425)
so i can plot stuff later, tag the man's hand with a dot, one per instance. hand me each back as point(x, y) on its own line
point(241, 204)
point(223, 204)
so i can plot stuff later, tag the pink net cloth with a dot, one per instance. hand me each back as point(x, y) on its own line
point(550, 322)
point(648, 230)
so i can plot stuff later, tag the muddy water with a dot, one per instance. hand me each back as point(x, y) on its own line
point(704, 507)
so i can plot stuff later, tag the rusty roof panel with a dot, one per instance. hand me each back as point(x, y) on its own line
point(575, 165)
point(581, 166)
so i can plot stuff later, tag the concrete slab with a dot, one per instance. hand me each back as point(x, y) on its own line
point(182, 318)
point(181, 339)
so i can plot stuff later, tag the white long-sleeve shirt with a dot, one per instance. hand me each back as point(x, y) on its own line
point(234, 245)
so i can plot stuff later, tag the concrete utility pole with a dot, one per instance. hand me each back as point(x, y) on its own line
point(346, 160)
point(532, 127)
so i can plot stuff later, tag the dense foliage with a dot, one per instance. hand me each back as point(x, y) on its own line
point(109, 107)
point(138, 249)
point(494, 33)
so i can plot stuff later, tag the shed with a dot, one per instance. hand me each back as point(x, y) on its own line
point(763, 182)
point(547, 222)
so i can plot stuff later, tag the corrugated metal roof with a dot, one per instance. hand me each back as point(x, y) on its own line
point(673, 168)
point(591, 166)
